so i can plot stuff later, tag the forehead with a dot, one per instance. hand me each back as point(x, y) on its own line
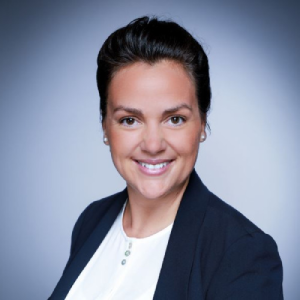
point(165, 82)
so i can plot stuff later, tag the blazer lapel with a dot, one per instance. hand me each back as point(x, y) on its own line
point(173, 282)
point(88, 249)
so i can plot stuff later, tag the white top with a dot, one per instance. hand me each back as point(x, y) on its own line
point(122, 267)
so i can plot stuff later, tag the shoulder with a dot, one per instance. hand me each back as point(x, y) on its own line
point(215, 217)
point(225, 220)
point(224, 226)
point(91, 216)
point(233, 246)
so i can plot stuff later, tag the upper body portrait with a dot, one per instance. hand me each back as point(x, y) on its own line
point(165, 236)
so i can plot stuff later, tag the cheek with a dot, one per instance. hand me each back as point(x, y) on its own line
point(122, 143)
point(186, 142)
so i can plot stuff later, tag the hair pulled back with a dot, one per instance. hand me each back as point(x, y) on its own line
point(151, 40)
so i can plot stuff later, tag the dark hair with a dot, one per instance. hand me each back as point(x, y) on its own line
point(151, 40)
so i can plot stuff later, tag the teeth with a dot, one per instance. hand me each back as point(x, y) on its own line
point(153, 167)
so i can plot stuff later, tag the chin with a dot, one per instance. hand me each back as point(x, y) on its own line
point(152, 193)
point(155, 190)
point(148, 190)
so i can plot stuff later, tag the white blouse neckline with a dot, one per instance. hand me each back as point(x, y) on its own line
point(144, 239)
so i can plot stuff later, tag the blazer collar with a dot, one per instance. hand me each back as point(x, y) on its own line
point(177, 265)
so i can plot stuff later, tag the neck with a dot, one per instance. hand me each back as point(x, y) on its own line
point(144, 217)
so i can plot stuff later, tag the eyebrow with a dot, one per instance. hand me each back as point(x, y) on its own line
point(128, 109)
point(176, 108)
point(139, 112)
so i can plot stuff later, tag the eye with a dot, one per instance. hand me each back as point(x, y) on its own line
point(128, 121)
point(176, 120)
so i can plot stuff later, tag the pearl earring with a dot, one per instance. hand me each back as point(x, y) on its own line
point(203, 137)
point(105, 140)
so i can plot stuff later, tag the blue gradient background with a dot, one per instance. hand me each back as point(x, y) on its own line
point(53, 161)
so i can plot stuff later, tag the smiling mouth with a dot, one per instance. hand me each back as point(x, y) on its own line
point(153, 167)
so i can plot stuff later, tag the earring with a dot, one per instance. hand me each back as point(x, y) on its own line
point(105, 140)
point(203, 137)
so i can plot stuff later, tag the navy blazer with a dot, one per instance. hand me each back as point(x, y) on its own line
point(213, 253)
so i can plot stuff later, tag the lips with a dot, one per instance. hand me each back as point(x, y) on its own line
point(153, 166)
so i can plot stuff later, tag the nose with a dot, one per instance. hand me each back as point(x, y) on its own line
point(153, 140)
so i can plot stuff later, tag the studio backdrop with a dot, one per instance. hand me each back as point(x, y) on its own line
point(53, 162)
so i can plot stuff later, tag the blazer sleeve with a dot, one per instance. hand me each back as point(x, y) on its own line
point(251, 269)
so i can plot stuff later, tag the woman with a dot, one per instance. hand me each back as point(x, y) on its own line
point(165, 236)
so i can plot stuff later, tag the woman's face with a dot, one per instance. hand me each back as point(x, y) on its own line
point(153, 127)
